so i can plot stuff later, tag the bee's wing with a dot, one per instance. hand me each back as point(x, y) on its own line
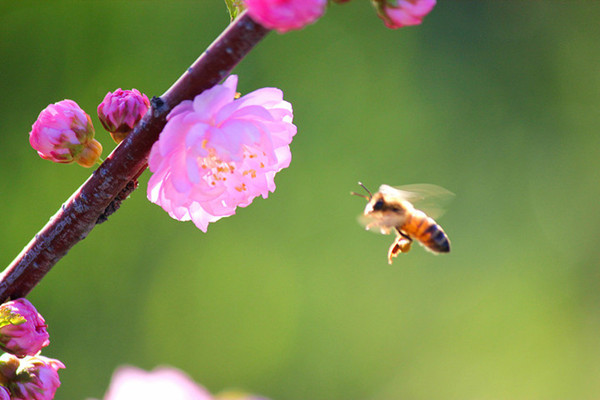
point(430, 199)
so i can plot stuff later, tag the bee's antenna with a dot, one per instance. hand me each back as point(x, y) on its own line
point(362, 195)
point(364, 187)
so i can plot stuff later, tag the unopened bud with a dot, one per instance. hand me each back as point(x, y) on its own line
point(30, 378)
point(22, 329)
point(284, 16)
point(61, 132)
point(399, 13)
point(121, 110)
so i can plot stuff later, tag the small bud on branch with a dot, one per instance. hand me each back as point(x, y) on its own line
point(120, 112)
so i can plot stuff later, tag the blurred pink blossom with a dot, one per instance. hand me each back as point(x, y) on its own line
point(130, 383)
point(217, 152)
point(27, 337)
point(64, 133)
point(4, 393)
point(235, 395)
point(400, 13)
point(121, 110)
point(30, 378)
point(285, 15)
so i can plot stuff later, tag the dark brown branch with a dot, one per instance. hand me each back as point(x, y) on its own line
point(95, 199)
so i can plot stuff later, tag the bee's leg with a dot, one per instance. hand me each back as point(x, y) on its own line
point(400, 245)
point(404, 241)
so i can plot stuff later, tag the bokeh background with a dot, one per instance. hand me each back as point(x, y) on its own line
point(498, 101)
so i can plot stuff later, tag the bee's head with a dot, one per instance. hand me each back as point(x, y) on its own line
point(376, 203)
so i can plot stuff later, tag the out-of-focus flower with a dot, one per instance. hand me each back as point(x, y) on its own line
point(30, 378)
point(236, 395)
point(121, 110)
point(4, 393)
point(285, 15)
point(129, 383)
point(22, 329)
point(217, 152)
point(398, 13)
point(64, 133)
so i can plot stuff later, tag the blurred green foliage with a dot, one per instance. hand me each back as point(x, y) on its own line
point(290, 298)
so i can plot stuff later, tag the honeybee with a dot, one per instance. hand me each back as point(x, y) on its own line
point(391, 209)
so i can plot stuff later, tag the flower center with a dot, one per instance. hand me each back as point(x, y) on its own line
point(216, 171)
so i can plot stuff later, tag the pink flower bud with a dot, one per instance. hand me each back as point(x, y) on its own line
point(22, 328)
point(121, 110)
point(218, 152)
point(4, 393)
point(30, 378)
point(399, 13)
point(62, 132)
point(285, 15)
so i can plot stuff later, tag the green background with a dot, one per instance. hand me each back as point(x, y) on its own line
point(498, 101)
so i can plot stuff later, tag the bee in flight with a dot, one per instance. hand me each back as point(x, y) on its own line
point(391, 209)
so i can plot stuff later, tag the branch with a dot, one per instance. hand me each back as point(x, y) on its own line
point(102, 193)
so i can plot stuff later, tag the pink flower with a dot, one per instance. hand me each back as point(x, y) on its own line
point(163, 383)
point(4, 393)
point(64, 133)
point(285, 15)
point(120, 111)
point(24, 331)
point(30, 378)
point(400, 13)
point(217, 152)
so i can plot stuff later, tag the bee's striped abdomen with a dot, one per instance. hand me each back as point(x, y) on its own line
point(436, 239)
point(427, 232)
